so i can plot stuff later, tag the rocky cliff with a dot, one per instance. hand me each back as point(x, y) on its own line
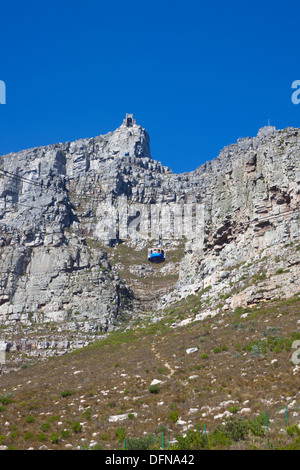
point(57, 248)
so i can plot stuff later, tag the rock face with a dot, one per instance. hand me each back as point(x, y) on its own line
point(54, 237)
point(251, 228)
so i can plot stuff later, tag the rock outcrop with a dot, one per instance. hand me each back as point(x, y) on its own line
point(54, 203)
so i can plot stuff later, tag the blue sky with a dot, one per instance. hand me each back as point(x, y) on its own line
point(197, 75)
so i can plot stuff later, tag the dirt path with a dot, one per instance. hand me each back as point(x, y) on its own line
point(158, 356)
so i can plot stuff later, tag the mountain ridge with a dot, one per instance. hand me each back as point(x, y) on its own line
point(52, 204)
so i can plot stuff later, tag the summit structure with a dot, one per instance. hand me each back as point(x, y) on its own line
point(129, 121)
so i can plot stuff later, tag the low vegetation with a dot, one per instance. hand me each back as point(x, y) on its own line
point(239, 389)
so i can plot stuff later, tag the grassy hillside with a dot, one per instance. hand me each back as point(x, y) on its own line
point(239, 368)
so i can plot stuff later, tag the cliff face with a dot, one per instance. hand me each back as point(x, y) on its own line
point(54, 239)
point(251, 229)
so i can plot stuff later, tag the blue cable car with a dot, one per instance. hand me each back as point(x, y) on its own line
point(157, 254)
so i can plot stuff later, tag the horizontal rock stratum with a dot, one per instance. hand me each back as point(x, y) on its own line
point(53, 260)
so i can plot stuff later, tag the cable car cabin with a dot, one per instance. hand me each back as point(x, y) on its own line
point(156, 255)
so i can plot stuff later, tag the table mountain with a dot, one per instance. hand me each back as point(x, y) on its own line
point(60, 260)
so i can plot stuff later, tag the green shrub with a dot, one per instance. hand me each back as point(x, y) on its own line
point(294, 446)
point(219, 439)
point(148, 442)
point(121, 433)
point(28, 435)
point(257, 348)
point(218, 350)
point(256, 425)
point(65, 433)
point(234, 429)
point(292, 430)
point(53, 418)
point(30, 419)
point(5, 400)
point(173, 416)
point(154, 389)
point(162, 428)
point(76, 427)
point(54, 438)
point(193, 440)
point(88, 413)
point(41, 437)
point(97, 447)
point(66, 393)
point(233, 409)
point(45, 427)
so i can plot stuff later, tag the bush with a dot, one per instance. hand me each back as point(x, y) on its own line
point(42, 437)
point(121, 433)
point(76, 427)
point(173, 416)
point(234, 429)
point(219, 439)
point(294, 446)
point(193, 440)
point(233, 409)
point(54, 418)
point(87, 413)
point(256, 425)
point(45, 427)
point(154, 389)
point(54, 438)
point(66, 393)
point(218, 350)
point(292, 430)
point(5, 400)
point(257, 348)
point(97, 447)
point(30, 419)
point(148, 442)
point(162, 428)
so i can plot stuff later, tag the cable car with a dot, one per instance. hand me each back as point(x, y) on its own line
point(157, 254)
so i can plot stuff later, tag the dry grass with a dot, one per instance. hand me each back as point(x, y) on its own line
point(113, 376)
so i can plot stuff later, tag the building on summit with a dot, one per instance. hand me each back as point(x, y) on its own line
point(129, 121)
